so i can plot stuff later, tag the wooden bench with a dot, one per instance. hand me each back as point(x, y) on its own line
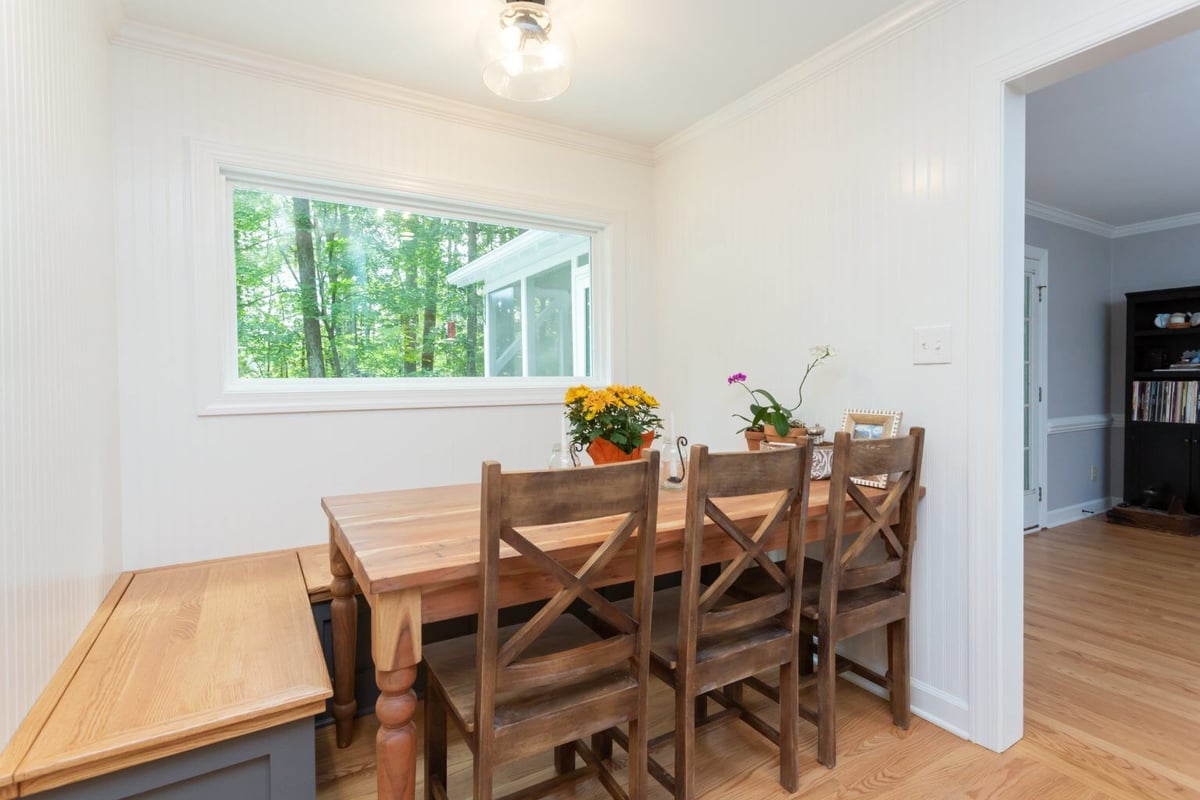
point(198, 680)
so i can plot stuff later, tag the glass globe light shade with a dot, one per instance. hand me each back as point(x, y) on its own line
point(525, 54)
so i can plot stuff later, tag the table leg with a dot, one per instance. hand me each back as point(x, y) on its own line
point(344, 613)
point(396, 646)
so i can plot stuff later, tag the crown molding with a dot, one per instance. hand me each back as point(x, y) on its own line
point(1089, 225)
point(1070, 220)
point(1164, 224)
point(875, 34)
point(172, 44)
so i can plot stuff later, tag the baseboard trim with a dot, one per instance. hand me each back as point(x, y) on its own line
point(1062, 516)
point(931, 704)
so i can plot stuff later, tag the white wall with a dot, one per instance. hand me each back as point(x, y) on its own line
point(836, 206)
point(59, 547)
point(197, 487)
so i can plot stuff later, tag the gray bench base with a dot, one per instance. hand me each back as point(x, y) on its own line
point(276, 764)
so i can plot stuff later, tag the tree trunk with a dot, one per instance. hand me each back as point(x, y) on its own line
point(412, 345)
point(432, 278)
point(474, 301)
point(313, 354)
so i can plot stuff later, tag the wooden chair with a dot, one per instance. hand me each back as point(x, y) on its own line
point(547, 683)
point(843, 596)
point(703, 638)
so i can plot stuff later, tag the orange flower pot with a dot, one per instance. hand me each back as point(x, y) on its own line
point(603, 451)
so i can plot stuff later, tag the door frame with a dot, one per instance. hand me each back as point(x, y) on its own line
point(1039, 315)
point(996, 223)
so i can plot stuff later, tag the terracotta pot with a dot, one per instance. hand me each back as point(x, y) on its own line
point(795, 435)
point(603, 451)
point(754, 440)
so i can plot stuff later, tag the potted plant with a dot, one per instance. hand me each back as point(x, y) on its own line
point(769, 419)
point(614, 423)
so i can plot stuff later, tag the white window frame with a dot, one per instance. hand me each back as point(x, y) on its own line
point(217, 169)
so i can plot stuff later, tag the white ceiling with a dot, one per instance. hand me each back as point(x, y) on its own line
point(1120, 144)
point(644, 70)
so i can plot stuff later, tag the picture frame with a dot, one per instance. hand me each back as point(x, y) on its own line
point(863, 423)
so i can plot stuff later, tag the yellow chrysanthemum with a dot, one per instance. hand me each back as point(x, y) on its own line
point(577, 393)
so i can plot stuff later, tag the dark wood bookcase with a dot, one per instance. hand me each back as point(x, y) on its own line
point(1161, 455)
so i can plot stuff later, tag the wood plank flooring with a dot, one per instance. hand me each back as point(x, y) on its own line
point(1112, 702)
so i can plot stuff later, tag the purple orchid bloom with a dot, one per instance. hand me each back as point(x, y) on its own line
point(737, 377)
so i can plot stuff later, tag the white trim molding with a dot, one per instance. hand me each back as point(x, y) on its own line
point(928, 702)
point(216, 168)
point(1067, 514)
point(1153, 225)
point(151, 39)
point(1095, 226)
point(1088, 422)
point(1069, 219)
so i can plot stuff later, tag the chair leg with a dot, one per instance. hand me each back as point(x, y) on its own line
point(685, 743)
point(564, 758)
point(826, 702)
point(435, 741)
point(789, 727)
point(602, 745)
point(701, 709)
point(481, 779)
point(639, 755)
point(899, 673)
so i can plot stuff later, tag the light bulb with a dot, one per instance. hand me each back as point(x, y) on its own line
point(552, 56)
point(514, 64)
point(525, 53)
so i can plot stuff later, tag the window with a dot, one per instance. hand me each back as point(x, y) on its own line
point(339, 290)
point(324, 286)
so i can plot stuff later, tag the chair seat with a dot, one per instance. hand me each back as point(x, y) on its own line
point(664, 632)
point(452, 663)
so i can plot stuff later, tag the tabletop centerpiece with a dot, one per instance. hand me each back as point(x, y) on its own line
point(771, 420)
point(614, 423)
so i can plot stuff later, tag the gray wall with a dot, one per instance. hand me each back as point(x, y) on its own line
point(1159, 260)
point(1079, 371)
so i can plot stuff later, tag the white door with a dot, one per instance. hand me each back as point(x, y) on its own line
point(1035, 383)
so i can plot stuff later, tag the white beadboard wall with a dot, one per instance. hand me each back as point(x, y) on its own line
point(195, 487)
point(59, 548)
point(833, 206)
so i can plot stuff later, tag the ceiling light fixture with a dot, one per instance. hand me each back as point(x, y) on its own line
point(525, 55)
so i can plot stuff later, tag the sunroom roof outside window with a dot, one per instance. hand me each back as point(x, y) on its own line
point(336, 290)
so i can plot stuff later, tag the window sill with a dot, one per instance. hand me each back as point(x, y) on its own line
point(358, 394)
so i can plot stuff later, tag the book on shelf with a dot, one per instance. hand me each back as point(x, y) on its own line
point(1166, 401)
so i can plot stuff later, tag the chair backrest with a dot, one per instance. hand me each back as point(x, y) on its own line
point(572, 500)
point(891, 518)
point(716, 476)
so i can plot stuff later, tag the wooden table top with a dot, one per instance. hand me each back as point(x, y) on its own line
point(421, 537)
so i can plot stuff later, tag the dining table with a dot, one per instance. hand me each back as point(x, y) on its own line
point(414, 555)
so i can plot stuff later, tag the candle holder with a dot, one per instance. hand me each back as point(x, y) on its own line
point(673, 463)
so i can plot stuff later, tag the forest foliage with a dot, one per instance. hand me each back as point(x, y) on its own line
point(330, 290)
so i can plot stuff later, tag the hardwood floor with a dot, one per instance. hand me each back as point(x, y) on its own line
point(1112, 702)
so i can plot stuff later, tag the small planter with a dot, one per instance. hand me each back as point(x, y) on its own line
point(797, 435)
point(603, 451)
point(754, 440)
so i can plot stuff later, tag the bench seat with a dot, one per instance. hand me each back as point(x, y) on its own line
point(176, 659)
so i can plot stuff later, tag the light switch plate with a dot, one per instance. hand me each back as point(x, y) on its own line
point(932, 345)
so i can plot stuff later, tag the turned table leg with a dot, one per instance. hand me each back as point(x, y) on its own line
point(344, 613)
point(396, 645)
